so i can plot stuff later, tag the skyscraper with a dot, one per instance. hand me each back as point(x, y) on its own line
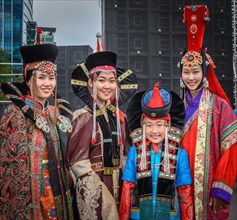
point(14, 15)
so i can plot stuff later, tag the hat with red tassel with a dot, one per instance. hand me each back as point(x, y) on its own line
point(156, 103)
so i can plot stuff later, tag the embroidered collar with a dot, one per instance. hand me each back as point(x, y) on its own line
point(195, 101)
point(192, 104)
point(29, 101)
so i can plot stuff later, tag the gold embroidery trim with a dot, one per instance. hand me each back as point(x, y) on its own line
point(124, 75)
point(129, 86)
point(147, 198)
point(99, 112)
point(97, 166)
point(111, 107)
point(108, 170)
point(83, 66)
point(78, 82)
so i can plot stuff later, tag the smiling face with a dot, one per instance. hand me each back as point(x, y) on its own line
point(155, 130)
point(45, 85)
point(106, 85)
point(192, 77)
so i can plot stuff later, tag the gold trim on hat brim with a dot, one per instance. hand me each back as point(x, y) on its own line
point(124, 75)
point(86, 71)
point(76, 82)
point(129, 86)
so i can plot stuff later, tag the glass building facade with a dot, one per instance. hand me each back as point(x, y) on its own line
point(14, 15)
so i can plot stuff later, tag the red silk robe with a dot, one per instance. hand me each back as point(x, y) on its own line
point(214, 131)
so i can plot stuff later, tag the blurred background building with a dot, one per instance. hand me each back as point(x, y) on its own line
point(17, 28)
point(149, 38)
point(68, 58)
point(14, 16)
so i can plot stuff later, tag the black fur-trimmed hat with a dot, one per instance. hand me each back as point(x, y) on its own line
point(127, 82)
point(102, 58)
point(39, 52)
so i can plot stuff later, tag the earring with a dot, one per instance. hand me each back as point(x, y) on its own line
point(182, 83)
point(205, 82)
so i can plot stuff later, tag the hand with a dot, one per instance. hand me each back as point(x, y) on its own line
point(216, 203)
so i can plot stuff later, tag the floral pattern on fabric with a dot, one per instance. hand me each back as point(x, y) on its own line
point(15, 194)
point(185, 199)
point(222, 145)
point(88, 189)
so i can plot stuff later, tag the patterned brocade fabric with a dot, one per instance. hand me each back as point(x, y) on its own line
point(186, 202)
point(24, 172)
point(126, 197)
point(88, 190)
point(220, 154)
point(14, 157)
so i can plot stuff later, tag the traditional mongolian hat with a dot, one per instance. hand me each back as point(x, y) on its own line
point(195, 18)
point(35, 57)
point(39, 56)
point(127, 82)
point(102, 61)
point(156, 103)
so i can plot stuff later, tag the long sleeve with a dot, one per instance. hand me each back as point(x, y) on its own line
point(183, 183)
point(183, 175)
point(79, 143)
point(225, 175)
point(125, 202)
point(14, 163)
point(129, 181)
point(186, 202)
point(226, 170)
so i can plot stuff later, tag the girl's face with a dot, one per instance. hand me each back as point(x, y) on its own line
point(45, 85)
point(106, 86)
point(155, 130)
point(192, 77)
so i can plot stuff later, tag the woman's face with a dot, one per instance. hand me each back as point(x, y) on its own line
point(106, 84)
point(45, 85)
point(155, 130)
point(192, 77)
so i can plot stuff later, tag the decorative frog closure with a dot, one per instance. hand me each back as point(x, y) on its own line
point(64, 124)
point(41, 123)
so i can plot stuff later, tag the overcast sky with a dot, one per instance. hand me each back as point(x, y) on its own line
point(76, 21)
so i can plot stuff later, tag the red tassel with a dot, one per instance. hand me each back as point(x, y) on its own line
point(100, 45)
point(120, 141)
point(93, 140)
point(38, 36)
point(121, 116)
